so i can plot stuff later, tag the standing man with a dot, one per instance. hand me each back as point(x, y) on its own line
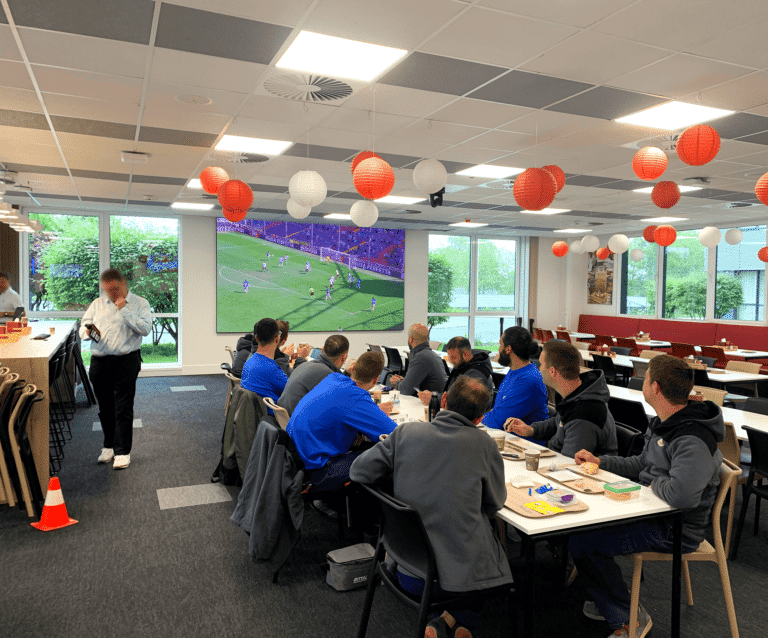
point(373, 304)
point(426, 370)
point(311, 292)
point(245, 286)
point(263, 266)
point(358, 283)
point(327, 294)
point(115, 324)
point(307, 267)
point(9, 298)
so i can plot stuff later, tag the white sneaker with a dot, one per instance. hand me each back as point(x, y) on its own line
point(121, 461)
point(107, 453)
point(591, 611)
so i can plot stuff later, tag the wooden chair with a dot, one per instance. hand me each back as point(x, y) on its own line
point(547, 335)
point(281, 414)
point(231, 354)
point(743, 366)
point(717, 353)
point(712, 394)
point(233, 383)
point(435, 345)
point(600, 340)
point(650, 354)
point(731, 451)
point(564, 335)
point(31, 492)
point(639, 368)
point(625, 342)
point(683, 350)
point(704, 553)
point(581, 345)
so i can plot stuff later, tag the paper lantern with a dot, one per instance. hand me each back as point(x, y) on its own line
point(649, 162)
point(558, 174)
point(373, 178)
point(619, 243)
point(734, 236)
point(603, 253)
point(665, 194)
point(212, 178)
point(429, 176)
point(590, 243)
point(360, 157)
point(698, 145)
point(665, 235)
point(636, 254)
point(307, 188)
point(761, 189)
point(297, 211)
point(534, 189)
point(648, 233)
point(559, 249)
point(364, 213)
point(576, 247)
point(235, 198)
point(710, 236)
point(762, 254)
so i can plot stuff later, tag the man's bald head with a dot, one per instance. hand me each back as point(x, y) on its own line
point(419, 333)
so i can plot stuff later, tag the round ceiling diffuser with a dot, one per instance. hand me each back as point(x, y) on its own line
point(307, 88)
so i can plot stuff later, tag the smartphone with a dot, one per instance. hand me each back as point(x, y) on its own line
point(93, 332)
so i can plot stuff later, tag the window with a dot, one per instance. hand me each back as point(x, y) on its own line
point(739, 289)
point(449, 265)
point(685, 278)
point(638, 290)
point(496, 274)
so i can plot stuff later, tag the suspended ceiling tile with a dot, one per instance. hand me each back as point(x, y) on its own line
point(440, 74)
point(398, 100)
point(109, 19)
point(588, 181)
point(527, 38)
point(192, 120)
point(583, 14)
point(594, 58)
point(439, 132)
point(163, 95)
point(739, 125)
point(315, 151)
point(177, 137)
point(404, 146)
point(550, 125)
point(218, 35)
point(343, 139)
point(8, 48)
point(83, 84)
point(363, 122)
point(528, 89)
point(286, 13)
point(103, 110)
point(464, 153)
point(23, 119)
point(500, 140)
point(397, 23)
point(14, 75)
point(742, 45)
point(479, 113)
point(46, 155)
point(94, 128)
point(606, 132)
point(274, 108)
point(14, 137)
point(265, 129)
point(745, 93)
point(607, 103)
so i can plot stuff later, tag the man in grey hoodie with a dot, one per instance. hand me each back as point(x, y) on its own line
point(681, 464)
point(582, 420)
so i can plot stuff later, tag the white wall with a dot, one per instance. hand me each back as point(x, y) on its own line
point(202, 349)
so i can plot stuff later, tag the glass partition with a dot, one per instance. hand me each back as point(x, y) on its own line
point(739, 289)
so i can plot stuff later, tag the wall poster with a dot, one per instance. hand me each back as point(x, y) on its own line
point(600, 280)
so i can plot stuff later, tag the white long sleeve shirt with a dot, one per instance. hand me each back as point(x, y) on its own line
point(10, 300)
point(121, 330)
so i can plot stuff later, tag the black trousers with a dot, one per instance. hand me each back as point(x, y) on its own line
point(114, 383)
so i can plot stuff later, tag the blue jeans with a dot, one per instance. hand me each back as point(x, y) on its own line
point(593, 554)
point(469, 617)
point(334, 474)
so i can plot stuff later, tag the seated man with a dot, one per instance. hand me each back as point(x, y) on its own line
point(9, 298)
point(458, 353)
point(582, 421)
point(522, 394)
point(332, 358)
point(245, 347)
point(283, 359)
point(464, 470)
point(261, 374)
point(681, 464)
point(331, 416)
point(425, 370)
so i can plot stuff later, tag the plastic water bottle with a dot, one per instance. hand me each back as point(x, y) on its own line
point(434, 405)
point(396, 402)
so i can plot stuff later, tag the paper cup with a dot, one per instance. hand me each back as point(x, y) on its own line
point(499, 436)
point(532, 460)
point(52, 330)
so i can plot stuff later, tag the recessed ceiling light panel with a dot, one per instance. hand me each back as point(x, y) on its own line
point(489, 171)
point(195, 183)
point(664, 220)
point(252, 145)
point(396, 199)
point(547, 211)
point(467, 224)
point(683, 189)
point(191, 206)
point(337, 216)
point(573, 231)
point(674, 115)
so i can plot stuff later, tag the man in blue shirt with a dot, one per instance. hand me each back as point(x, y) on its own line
point(327, 421)
point(261, 374)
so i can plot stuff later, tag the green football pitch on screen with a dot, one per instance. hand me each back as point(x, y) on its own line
point(283, 292)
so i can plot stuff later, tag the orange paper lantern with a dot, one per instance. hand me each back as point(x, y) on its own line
point(698, 144)
point(649, 162)
point(560, 249)
point(762, 254)
point(648, 233)
point(665, 235)
point(212, 178)
point(360, 157)
point(761, 189)
point(603, 253)
point(235, 198)
point(534, 189)
point(373, 178)
point(558, 174)
point(665, 194)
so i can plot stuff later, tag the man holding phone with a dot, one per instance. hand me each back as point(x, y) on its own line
point(115, 323)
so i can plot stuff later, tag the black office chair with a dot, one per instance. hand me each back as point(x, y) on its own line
point(375, 348)
point(394, 361)
point(629, 440)
point(629, 413)
point(709, 361)
point(758, 443)
point(612, 374)
point(756, 405)
point(635, 383)
point(620, 350)
point(403, 537)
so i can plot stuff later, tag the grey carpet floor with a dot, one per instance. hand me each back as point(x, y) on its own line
point(130, 569)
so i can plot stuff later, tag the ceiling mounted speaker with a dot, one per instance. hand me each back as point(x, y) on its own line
point(307, 88)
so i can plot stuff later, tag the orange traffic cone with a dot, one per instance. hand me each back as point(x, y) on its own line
point(54, 511)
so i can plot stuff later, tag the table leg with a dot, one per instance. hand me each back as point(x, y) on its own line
point(677, 553)
point(529, 593)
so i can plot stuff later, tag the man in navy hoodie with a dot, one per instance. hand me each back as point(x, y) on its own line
point(681, 464)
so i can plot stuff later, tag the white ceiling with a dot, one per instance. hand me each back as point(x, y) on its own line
point(508, 82)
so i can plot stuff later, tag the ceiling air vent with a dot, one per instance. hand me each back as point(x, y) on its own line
point(307, 88)
point(499, 184)
point(739, 204)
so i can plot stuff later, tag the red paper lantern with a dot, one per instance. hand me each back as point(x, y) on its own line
point(665, 235)
point(558, 174)
point(761, 189)
point(762, 254)
point(603, 253)
point(560, 249)
point(698, 144)
point(212, 178)
point(373, 178)
point(534, 189)
point(665, 194)
point(648, 233)
point(360, 157)
point(235, 198)
point(649, 162)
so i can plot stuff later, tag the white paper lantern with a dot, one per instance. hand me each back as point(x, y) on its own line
point(307, 188)
point(709, 236)
point(364, 213)
point(618, 243)
point(734, 236)
point(576, 247)
point(590, 243)
point(636, 254)
point(429, 176)
point(297, 211)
